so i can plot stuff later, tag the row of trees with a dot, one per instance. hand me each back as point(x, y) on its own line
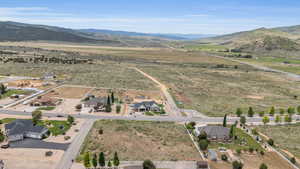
point(240, 165)
point(99, 160)
point(272, 111)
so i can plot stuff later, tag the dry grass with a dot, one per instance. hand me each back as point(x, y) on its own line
point(286, 137)
point(271, 159)
point(70, 92)
point(216, 91)
point(135, 140)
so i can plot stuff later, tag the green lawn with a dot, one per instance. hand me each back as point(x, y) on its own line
point(56, 127)
point(243, 142)
point(11, 92)
point(7, 120)
point(48, 108)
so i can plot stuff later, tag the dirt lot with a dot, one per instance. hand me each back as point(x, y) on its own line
point(69, 92)
point(141, 140)
point(286, 137)
point(271, 159)
point(29, 158)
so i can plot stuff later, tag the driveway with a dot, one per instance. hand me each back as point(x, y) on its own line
point(39, 144)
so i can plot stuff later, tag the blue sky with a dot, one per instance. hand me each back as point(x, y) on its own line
point(155, 16)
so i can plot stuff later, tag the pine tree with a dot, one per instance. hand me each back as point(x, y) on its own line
point(109, 164)
point(225, 121)
point(94, 161)
point(101, 159)
point(112, 98)
point(86, 160)
point(272, 111)
point(108, 105)
point(116, 159)
point(250, 112)
point(231, 134)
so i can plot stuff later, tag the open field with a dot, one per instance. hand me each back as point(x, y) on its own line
point(286, 137)
point(216, 91)
point(110, 75)
point(284, 64)
point(70, 92)
point(272, 160)
point(135, 140)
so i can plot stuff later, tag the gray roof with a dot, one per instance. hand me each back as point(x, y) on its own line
point(212, 154)
point(217, 132)
point(22, 126)
point(147, 104)
point(95, 101)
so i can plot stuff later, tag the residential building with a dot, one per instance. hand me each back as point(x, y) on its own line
point(214, 133)
point(146, 106)
point(45, 101)
point(97, 103)
point(24, 128)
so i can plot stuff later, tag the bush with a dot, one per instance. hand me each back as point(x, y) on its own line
point(271, 142)
point(238, 151)
point(263, 166)
point(48, 153)
point(67, 137)
point(118, 108)
point(237, 165)
point(148, 164)
point(251, 149)
point(224, 157)
point(203, 144)
point(293, 160)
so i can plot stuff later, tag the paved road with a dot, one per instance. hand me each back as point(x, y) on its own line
point(171, 105)
point(253, 120)
point(39, 144)
point(13, 78)
point(74, 148)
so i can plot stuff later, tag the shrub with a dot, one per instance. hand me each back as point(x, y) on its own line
point(293, 160)
point(48, 153)
point(271, 142)
point(237, 165)
point(250, 112)
point(203, 144)
point(224, 157)
point(148, 164)
point(67, 137)
point(118, 108)
point(263, 166)
point(238, 151)
point(261, 114)
point(239, 112)
point(251, 149)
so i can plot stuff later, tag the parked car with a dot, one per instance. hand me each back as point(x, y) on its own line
point(5, 146)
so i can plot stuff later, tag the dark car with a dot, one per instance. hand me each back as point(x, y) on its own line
point(5, 146)
point(59, 116)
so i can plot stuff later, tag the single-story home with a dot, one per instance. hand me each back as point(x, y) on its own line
point(202, 165)
point(97, 103)
point(214, 133)
point(24, 128)
point(146, 106)
point(45, 101)
point(49, 75)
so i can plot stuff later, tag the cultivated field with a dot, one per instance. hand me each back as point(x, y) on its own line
point(135, 140)
point(286, 137)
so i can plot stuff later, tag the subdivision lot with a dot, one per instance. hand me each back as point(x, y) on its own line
point(286, 137)
point(69, 92)
point(218, 89)
point(135, 140)
point(251, 161)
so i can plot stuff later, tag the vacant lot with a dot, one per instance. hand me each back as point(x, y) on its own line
point(219, 88)
point(271, 159)
point(287, 137)
point(70, 92)
point(135, 140)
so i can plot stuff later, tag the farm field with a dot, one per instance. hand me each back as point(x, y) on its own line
point(139, 140)
point(216, 89)
point(286, 137)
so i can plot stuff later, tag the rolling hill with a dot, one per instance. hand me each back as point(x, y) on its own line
point(14, 31)
point(262, 39)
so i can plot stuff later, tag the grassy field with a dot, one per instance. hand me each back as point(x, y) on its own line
point(139, 140)
point(284, 64)
point(217, 88)
point(286, 137)
point(108, 74)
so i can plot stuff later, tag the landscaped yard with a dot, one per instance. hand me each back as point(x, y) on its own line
point(48, 108)
point(11, 92)
point(243, 142)
point(56, 127)
point(140, 140)
point(286, 137)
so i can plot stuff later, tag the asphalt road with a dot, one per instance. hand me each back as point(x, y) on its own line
point(38, 144)
point(67, 160)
